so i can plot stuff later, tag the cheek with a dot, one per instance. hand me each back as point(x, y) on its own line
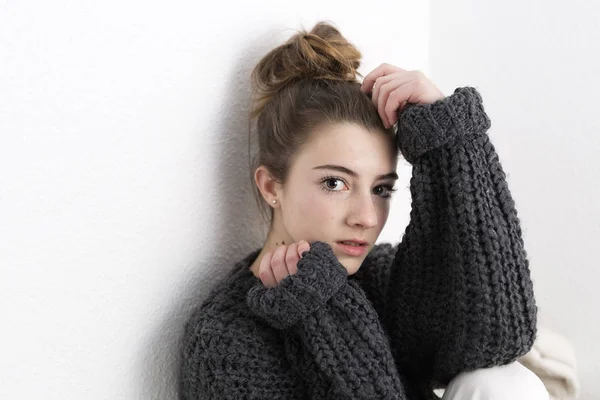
point(309, 214)
point(315, 206)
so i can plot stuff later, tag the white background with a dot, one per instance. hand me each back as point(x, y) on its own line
point(124, 183)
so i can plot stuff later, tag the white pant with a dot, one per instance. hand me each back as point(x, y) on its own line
point(506, 382)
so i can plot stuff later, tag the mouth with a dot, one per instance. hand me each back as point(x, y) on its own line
point(353, 242)
point(353, 247)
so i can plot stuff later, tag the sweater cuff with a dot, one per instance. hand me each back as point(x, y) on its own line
point(319, 277)
point(424, 127)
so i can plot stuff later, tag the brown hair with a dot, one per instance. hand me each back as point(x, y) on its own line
point(305, 83)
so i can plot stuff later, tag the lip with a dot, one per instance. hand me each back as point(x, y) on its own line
point(355, 251)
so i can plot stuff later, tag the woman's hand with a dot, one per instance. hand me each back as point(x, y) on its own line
point(281, 262)
point(392, 88)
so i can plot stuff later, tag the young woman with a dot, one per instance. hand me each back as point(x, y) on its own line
point(321, 311)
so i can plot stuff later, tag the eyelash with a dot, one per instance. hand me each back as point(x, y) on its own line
point(390, 189)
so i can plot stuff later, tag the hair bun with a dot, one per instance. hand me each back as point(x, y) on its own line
point(322, 53)
point(326, 54)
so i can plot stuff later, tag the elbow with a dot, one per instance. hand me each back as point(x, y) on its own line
point(528, 330)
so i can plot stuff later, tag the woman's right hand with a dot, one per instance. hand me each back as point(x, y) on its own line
point(283, 261)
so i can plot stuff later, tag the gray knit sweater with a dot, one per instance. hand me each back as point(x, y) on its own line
point(454, 295)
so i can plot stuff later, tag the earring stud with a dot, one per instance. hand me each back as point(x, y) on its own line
point(274, 201)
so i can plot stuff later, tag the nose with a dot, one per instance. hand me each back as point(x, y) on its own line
point(363, 212)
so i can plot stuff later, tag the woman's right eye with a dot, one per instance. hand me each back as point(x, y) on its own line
point(332, 184)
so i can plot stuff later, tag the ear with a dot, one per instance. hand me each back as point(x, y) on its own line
point(266, 184)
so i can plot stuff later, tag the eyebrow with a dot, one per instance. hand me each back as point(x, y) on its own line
point(391, 175)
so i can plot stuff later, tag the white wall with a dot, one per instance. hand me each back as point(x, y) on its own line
point(123, 165)
point(123, 175)
point(536, 64)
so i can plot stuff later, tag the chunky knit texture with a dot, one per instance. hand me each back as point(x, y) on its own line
point(454, 295)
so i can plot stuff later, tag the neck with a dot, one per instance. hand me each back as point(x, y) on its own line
point(276, 237)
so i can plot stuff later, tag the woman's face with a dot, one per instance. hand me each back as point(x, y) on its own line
point(338, 189)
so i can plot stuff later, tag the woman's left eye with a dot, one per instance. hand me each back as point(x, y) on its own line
point(387, 191)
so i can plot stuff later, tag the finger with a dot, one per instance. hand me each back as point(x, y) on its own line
point(388, 85)
point(397, 100)
point(376, 90)
point(278, 263)
point(382, 70)
point(383, 86)
point(264, 271)
point(302, 247)
point(291, 258)
point(368, 83)
point(382, 101)
point(408, 95)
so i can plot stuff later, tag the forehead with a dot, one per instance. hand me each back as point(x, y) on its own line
point(349, 145)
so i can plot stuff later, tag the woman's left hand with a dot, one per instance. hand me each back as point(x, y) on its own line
point(392, 88)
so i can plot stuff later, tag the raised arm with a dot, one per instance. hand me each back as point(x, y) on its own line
point(333, 337)
point(456, 293)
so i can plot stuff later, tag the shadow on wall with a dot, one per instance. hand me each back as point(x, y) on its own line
point(240, 228)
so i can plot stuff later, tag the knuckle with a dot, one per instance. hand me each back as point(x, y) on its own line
point(290, 258)
point(391, 100)
point(290, 254)
point(279, 251)
point(276, 261)
point(264, 263)
point(393, 105)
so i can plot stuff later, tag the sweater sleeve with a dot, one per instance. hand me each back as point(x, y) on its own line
point(333, 337)
point(456, 292)
point(223, 358)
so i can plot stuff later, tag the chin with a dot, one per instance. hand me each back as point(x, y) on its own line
point(351, 266)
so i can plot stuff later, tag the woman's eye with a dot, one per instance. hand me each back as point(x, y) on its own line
point(379, 190)
point(384, 191)
point(331, 184)
point(334, 184)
